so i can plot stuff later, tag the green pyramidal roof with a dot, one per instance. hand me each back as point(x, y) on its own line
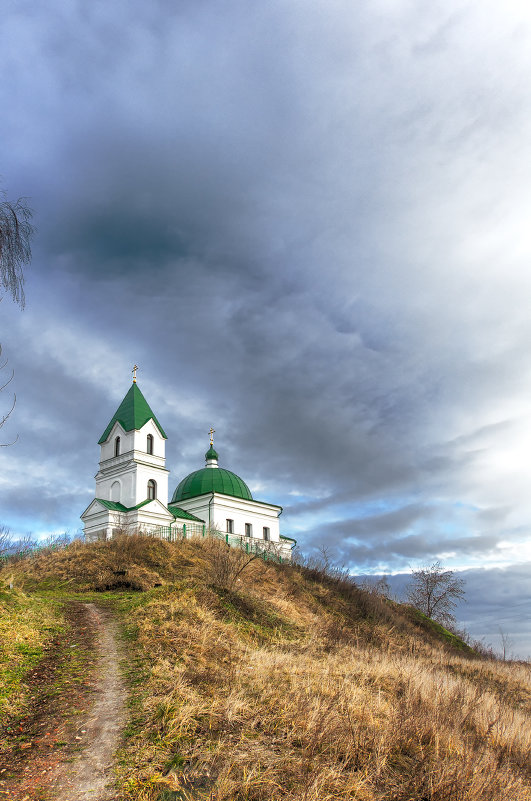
point(132, 414)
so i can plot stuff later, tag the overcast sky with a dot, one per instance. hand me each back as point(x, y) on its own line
point(309, 224)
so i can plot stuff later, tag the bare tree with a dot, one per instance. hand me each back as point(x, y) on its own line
point(435, 592)
point(15, 250)
point(505, 642)
point(377, 585)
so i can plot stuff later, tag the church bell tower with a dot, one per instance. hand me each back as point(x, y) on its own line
point(132, 458)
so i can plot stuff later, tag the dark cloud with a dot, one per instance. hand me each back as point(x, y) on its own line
point(309, 227)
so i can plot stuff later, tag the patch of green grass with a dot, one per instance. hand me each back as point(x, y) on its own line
point(27, 626)
point(442, 633)
point(255, 617)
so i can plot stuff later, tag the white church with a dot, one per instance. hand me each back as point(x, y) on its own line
point(132, 490)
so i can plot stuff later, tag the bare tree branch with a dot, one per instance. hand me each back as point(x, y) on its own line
point(15, 250)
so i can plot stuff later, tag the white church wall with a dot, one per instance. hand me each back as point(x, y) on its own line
point(126, 442)
point(258, 516)
point(143, 473)
point(97, 522)
point(132, 480)
point(225, 507)
point(122, 472)
point(140, 440)
point(150, 516)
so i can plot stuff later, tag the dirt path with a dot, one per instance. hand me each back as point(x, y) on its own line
point(90, 775)
point(62, 748)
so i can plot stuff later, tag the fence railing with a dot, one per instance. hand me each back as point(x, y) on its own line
point(267, 550)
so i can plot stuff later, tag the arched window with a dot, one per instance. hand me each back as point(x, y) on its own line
point(117, 446)
point(150, 443)
point(152, 489)
point(115, 491)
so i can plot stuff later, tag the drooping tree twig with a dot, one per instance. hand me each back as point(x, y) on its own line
point(15, 249)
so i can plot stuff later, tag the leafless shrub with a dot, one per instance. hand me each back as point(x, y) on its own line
point(378, 586)
point(226, 563)
point(13, 549)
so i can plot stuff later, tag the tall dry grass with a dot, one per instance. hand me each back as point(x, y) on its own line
point(293, 687)
point(128, 561)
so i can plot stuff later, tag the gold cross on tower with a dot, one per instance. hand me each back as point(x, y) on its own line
point(135, 368)
point(211, 432)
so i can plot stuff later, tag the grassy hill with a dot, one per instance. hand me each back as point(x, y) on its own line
point(262, 681)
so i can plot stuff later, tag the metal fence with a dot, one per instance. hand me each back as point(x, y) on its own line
point(268, 551)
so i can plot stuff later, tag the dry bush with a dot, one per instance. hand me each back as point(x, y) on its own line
point(225, 563)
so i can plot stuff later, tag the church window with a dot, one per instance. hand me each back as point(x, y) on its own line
point(266, 533)
point(150, 443)
point(248, 530)
point(115, 491)
point(152, 489)
point(230, 526)
point(117, 446)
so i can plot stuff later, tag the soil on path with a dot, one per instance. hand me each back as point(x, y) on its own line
point(63, 748)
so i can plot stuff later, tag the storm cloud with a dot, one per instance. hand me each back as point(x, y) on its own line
point(309, 225)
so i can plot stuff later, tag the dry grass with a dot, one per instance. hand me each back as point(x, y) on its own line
point(285, 683)
point(289, 688)
point(133, 562)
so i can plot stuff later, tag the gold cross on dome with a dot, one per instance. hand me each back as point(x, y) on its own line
point(135, 368)
point(211, 432)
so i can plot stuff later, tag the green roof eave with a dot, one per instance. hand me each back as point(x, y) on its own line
point(116, 506)
point(226, 495)
point(177, 512)
point(283, 537)
point(132, 414)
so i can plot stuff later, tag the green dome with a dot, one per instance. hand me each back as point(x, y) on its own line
point(211, 454)
point(211, 479)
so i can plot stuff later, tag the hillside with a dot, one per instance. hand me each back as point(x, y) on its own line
point(257, 681)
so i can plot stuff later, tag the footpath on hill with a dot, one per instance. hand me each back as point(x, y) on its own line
point(62, 747)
